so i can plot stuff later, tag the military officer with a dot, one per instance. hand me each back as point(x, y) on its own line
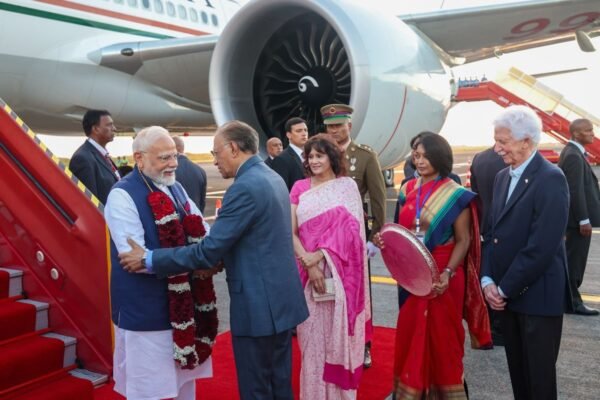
point(363, 167)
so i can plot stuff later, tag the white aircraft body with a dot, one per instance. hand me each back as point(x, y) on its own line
point(189, 63)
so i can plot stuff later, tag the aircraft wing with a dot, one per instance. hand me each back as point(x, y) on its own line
point(179, 66)
point(471, 34)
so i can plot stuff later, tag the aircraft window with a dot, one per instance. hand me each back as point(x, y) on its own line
point(159, 7)
point(132, 3)
point(170, 9)
point(215, 20)
point(193, 15)
point(146, 4)
point(204, 17)
point(182, 12)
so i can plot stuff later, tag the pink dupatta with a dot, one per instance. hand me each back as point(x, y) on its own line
point(330, 218)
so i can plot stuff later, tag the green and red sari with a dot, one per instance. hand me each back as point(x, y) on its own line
point(430, 335)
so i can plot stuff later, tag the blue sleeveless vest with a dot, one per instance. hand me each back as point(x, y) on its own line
point(139, 302)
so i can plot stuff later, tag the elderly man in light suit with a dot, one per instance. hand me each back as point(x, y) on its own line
point(524, 272)
point(253, 236)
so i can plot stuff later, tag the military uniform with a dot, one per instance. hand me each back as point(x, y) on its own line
point(363, 167)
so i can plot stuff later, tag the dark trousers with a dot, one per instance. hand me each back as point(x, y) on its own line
point(264, 366)
point(531, 343)
point(578, 247)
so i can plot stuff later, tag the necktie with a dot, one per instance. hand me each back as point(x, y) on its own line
point(112, 165)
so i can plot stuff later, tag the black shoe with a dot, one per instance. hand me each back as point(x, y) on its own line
point(582, 309)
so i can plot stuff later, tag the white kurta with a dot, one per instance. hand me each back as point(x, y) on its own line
point(143, 365)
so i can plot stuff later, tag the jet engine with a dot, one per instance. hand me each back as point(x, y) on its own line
point(285, 58)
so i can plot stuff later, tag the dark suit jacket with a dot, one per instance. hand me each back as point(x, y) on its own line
point(193, 179)
point(525, 255)
point(289, 166)
point(269, 161)
point(484, 168)
point(93, 170)
point(583, 187)
point(253, 236)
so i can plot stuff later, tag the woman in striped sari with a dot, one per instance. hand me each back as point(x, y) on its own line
point(430, 334)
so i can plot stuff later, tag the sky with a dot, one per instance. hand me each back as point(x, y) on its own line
point(467, 124)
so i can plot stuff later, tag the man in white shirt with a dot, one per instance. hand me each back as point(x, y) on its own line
point(524, 274)
point(289, 163)
point(91, 163)
point(584, 207)
point(144, 365)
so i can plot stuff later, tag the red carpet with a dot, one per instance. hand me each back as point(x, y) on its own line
point(22, 360)
point(376, 382)
point(4, 278)
point(16, 319)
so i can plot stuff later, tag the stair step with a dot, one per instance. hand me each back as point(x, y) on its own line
point(15, 286)
point(94, 377)
point(57, 385)
point(70, 347)
point(29, 358)
point(17, 318)
point(41, 316)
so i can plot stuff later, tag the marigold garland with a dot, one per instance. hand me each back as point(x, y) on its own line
point(192, 300)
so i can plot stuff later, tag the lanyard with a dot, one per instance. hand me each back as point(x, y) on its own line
point(421, 205)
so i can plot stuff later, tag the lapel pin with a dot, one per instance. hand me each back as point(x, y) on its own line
point(526, 181)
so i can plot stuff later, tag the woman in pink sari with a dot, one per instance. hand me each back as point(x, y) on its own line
point(329, 241)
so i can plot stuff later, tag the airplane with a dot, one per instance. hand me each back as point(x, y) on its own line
point(190, 63)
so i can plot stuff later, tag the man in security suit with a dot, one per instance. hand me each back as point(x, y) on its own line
point(363, 167)
point(584, 207)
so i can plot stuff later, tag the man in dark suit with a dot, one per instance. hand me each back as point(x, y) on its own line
point(584, 210)
point(191, 176)
point(289, 163)
point(274, 148)
point(484, 168)
point(524, 272)
point(91, 163)
point(253, 237)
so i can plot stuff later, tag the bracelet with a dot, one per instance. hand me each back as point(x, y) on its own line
point(449, 271)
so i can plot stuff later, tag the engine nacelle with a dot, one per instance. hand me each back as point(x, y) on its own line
point(285, 58)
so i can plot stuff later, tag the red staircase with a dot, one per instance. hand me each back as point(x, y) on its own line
point(554, 124)
point(55, 329)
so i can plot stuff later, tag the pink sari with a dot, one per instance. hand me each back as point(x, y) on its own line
point(332, 339)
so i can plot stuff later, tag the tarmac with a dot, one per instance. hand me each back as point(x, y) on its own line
point(486, 371)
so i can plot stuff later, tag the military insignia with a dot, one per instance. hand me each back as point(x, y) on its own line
point(353, 164)
point(332, 110)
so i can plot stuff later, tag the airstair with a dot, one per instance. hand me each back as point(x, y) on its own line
point(55, 328)
point(516, 87)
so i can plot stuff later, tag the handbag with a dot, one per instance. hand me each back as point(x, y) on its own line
point(329, 294)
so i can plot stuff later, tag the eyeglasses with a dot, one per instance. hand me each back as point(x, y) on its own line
point(215, 153)
point(165, 158)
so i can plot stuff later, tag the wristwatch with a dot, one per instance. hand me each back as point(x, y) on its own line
point(449, 271)
point(144, 259)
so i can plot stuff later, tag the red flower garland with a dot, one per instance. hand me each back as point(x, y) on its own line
point(192, 300)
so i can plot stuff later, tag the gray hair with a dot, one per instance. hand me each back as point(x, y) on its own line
point(242, 134)
point(522, 121)
point(147, 136)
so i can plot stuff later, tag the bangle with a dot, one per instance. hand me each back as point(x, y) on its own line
point(449, 271)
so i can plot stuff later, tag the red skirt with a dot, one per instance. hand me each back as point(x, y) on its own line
point(430, 340)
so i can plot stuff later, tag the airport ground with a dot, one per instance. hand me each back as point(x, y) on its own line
point(485, 371)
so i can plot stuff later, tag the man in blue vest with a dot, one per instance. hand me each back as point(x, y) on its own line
point(253, 237)
point(144, 365)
